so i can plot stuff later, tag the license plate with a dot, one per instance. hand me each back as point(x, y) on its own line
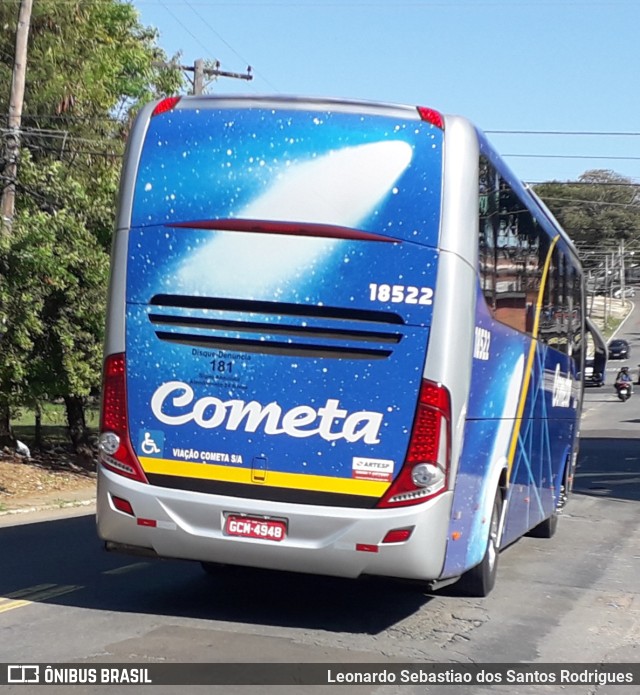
point(255, 527)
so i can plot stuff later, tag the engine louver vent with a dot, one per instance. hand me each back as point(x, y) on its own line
point(274, 328)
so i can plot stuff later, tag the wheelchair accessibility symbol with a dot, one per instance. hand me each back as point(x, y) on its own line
point(151, 442)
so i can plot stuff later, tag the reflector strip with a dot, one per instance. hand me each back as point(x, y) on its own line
point(147, 522)
point(122, 505)
point(296, 481)
point(398, 535)
point(312, 229)
point(366, 548)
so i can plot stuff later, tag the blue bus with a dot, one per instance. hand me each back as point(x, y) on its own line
point(342, 338)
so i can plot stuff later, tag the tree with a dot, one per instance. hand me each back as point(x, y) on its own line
point(90, 66)
point(58, 266)
point(89, 63)
point(600, 206)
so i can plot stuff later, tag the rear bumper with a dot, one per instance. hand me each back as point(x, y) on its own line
point(320, 540)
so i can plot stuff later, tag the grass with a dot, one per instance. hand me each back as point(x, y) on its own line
point(54, 424)
point(611, 327)
point(53, 414)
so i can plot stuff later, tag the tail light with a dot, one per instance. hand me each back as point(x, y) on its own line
point(426, 467)
point(122, 505)
point(167, 104)
point(431, 116)
point(116, 452)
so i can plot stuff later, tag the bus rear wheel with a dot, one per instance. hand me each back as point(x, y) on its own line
point(548, 527)
point(545, 529)
point(480, 580)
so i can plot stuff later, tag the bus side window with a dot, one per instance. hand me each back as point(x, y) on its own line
point(511, 253)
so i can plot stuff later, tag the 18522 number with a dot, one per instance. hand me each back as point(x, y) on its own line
point(400, 294)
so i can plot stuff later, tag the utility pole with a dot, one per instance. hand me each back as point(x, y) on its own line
point(16, 100)
point(606, 291)
point(200, 72)
point(622, 271)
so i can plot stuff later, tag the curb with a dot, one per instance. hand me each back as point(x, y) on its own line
point(624, 320)
point(58, 499)
point(47, 507)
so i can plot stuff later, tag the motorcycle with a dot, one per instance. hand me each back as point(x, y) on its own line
point(623, 389)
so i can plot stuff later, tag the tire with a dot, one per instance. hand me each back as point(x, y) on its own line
point(480, 580)
point(546, 529)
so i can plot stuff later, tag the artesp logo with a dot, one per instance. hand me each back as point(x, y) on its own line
point(561, 389)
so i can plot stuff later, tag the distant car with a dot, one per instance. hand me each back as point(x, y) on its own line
point(629, 292)
point(619, 349)
point(592, 378)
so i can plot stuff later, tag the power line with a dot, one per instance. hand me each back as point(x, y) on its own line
point(384, 3)
point(587, 133)
point(570, 156)
point(184, 26)
point(226, 43)
point(198, 69)
point(598, 133)
point(80, 119)
point(593, 202)
point(408, 3)
point(68, 137)
point(599, 184)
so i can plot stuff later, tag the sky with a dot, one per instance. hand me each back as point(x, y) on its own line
point(562, 77)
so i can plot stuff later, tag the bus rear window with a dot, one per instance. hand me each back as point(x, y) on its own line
point(363, 172)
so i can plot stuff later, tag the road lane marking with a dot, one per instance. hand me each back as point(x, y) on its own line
point(127, 568)
point(34, 594)
point(26, 592)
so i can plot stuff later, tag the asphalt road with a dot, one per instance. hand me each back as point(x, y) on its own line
point(573, 598)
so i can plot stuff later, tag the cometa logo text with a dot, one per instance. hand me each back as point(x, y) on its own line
point(329, 421)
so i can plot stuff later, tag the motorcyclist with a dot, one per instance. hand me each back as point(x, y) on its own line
point(624, 376)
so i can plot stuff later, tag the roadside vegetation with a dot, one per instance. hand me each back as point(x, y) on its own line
point(90, 66)
point(598, 210)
